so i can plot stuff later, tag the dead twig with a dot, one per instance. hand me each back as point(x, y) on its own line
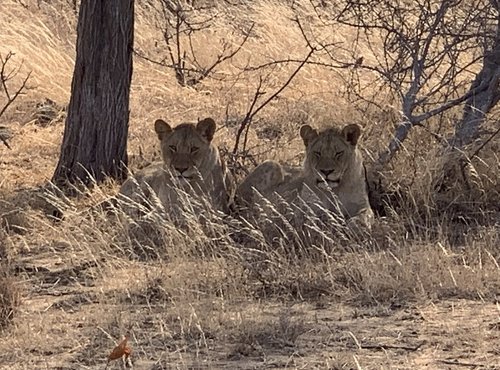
point(459, 363)
point(392, 346)
point(339, 65)
point(6, 76)
point(251, 113)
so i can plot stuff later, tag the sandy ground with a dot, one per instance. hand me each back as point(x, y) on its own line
point(67, 315)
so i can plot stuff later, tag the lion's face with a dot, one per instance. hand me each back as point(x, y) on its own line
point(329, 154)
point(185, 147)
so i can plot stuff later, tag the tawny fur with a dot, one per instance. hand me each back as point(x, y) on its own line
point(332, 173)
point(191, 164)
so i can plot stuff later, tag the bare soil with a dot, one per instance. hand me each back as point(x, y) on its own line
point(69, 315)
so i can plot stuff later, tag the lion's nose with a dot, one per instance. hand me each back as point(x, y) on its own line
point(326, 172)
point(181, 169)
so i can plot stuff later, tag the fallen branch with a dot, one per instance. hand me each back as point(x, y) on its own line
point(458, 363)
point(392, 346)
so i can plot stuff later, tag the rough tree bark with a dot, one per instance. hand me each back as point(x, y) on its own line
point(484, 94)
point(480, 103)
point(95, 136)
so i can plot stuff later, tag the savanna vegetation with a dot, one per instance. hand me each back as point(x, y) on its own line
point(273, 290)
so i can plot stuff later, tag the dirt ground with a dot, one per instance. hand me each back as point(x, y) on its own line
point(66, 314)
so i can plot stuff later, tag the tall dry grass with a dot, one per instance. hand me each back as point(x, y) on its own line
point(209, 280)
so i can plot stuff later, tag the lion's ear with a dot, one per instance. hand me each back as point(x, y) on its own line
point(352, 133)
point(206, 128)
point(162, 128)
point(307, 133)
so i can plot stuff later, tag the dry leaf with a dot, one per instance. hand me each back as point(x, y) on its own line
point(120, 350)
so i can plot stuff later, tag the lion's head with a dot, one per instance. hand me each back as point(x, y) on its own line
point(330, 154)
point(187, 148)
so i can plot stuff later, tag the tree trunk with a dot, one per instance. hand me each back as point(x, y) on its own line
point(479, 104)
point(95, 135)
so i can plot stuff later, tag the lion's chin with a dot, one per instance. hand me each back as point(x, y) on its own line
point(328, 184)
point(183, 179)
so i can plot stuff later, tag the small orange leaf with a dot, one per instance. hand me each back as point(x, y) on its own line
point(120, 350)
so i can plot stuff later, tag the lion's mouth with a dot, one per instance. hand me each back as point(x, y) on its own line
point(325, 183)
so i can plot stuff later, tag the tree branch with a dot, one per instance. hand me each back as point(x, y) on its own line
point(251, 113)
point(6, 76)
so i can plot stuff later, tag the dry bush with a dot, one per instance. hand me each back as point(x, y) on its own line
point(469, 185)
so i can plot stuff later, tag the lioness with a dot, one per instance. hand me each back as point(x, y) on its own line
point(190, 163)
point(332, 173)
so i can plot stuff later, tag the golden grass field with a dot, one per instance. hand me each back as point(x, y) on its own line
point(421, 292)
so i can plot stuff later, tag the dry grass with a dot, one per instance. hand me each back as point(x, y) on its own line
point(285, 290)
point(9, 297)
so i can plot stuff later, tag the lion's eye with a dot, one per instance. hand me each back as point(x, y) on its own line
point(317, 154)
point(339, 154)
point(173, 148)
point(194, 150)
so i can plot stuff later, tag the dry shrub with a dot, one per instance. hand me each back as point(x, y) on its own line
point(276, 275)
point(149, 230)
point(298, 228)
point(190, 301)
point(440, 197)
point(470, 186)
point(194, 280)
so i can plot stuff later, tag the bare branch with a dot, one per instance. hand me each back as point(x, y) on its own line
point(5, 77)
point(251, 112)
point(342, 65)
point(428, 51)
point(179, 22)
